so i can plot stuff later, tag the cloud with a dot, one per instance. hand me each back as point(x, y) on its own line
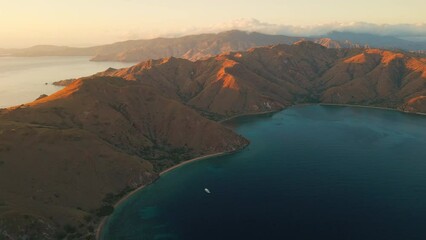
point(397, 30)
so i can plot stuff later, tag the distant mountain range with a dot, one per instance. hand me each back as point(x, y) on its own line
point(377, 41)
point(191, 47)
point(73, 154)
point(202, 46)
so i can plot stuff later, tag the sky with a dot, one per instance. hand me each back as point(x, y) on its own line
point(25, 23)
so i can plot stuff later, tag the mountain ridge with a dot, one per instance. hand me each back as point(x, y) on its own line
point(192, 47)
point(114, 131)
point(376, 41)
point(202, 46)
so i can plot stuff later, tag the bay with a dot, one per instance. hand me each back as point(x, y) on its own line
point(310, 172)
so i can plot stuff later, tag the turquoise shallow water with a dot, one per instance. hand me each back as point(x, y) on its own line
point(311, 172)
point(22, 79)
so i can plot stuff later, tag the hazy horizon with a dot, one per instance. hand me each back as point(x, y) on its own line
point(87, 23)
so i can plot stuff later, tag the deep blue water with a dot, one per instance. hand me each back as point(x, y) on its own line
point(312, 172)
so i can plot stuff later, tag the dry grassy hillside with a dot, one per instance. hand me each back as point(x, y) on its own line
point(379, 78)
point(65, 158)
point(271, 78)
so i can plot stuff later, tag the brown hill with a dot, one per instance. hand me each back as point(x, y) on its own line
point(377, 77)
point(88, 144)
point(270, 78)
point(54, 179)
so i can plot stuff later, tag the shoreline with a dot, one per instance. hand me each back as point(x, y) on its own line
point(252, 114)
point(194, 160)
point(371, 107)
point(127, 196)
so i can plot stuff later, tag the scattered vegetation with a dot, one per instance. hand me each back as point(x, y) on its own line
point(105, 211)
point(111, 198)
point(60, 235)
point(88, 218)
point(69, 229)
point(210, 115)
point(4, 148)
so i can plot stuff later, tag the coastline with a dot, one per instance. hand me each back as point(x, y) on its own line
point(194, 160)
point(127, 196)
point(252, 114)
point(372, 107)
point(102, 223)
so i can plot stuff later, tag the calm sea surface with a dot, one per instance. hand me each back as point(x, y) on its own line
point(24, 79)
point(312, 172)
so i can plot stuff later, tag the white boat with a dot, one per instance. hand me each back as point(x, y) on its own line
point(207, 190)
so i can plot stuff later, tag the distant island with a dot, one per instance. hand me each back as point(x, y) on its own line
point(72, 155)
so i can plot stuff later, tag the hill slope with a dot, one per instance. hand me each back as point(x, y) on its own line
point(84, 147)
point(74, 153)
point(270, 78)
